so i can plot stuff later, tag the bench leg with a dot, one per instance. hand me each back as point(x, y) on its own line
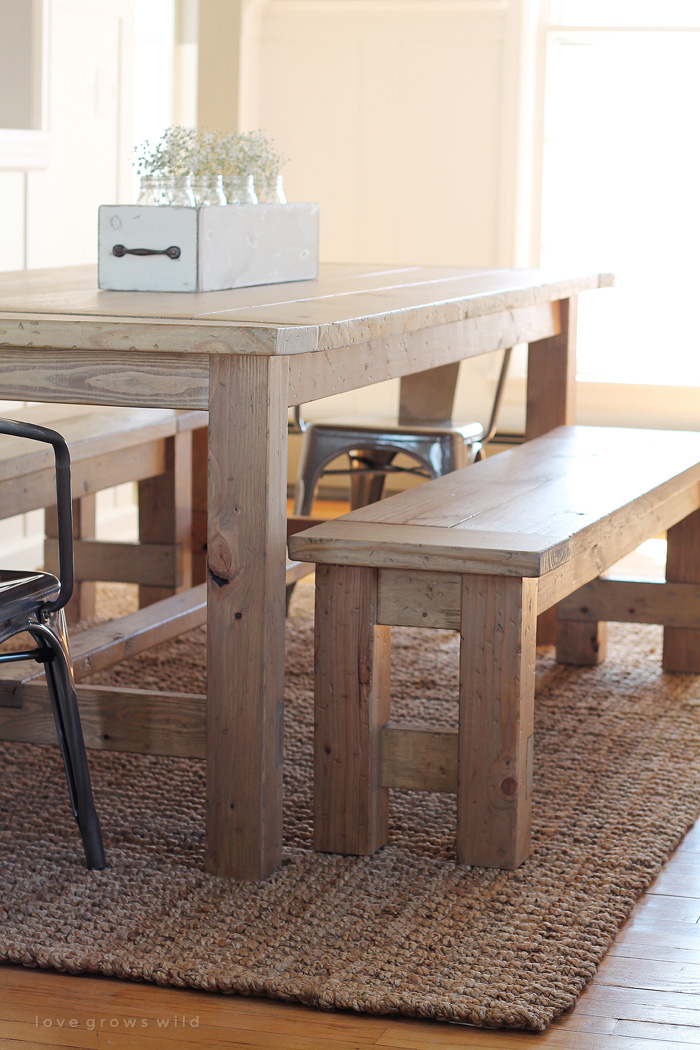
point(496, 707)
point(351, 706)
point(682, 644)
point(165, 513)
point(582, 644)
point(82, 604)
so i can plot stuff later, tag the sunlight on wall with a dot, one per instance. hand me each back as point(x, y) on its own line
point(620, 191)
point(154, 33)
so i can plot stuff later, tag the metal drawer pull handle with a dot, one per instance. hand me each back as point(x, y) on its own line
point(173, 252)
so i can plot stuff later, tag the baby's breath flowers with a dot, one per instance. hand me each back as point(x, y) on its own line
point(257, 156)
point(173, 154)
point(189, 151)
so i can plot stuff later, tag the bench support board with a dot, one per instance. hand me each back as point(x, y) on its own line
point(351, 707)
point(114, 719)
point(419, 759)
point(496, 714)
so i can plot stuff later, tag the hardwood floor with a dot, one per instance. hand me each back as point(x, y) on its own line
point(645, 995)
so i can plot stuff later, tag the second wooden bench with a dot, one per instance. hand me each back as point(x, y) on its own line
point(483, 551)
point(110, 446)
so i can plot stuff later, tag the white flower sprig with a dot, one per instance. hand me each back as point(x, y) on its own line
point(173, 154)
point(189, 151)
point(257, 155)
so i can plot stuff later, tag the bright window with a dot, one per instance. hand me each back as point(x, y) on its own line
point(641, 13)
point(621, 184)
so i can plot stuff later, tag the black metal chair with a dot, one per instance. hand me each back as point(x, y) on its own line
point(33, 602)
point(371, 447)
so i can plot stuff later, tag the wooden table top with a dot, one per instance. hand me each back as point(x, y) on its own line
point(347, 304)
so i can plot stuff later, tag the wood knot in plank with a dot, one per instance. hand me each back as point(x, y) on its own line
point(220, 581)
point(509, 787)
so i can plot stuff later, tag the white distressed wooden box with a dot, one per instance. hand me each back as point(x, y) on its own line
point(175, 249)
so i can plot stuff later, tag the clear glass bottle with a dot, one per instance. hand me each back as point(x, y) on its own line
point(240, 189)
point(208, 189)
point(270, 190)
point(153, 190)
point(180, 191)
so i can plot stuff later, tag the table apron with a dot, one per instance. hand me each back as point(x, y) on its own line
point(137, 380)
point(165, 380)
point(322, 373)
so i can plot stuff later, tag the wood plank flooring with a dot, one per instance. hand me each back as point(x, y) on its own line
point(645, 995)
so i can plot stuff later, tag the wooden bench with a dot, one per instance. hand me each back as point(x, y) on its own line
point(483, 551)
point(110, 446)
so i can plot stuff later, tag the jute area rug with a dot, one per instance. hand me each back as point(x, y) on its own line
point(617, 783)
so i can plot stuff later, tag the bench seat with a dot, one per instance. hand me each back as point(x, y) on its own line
point(110, 446)
point(483, 551)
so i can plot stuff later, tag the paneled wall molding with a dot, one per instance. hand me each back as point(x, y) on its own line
point(90, 61)
point(54, 174)
point(25, 143)
point(333, 8)
point(356, 16)
point(222, 78)
point(24, 150)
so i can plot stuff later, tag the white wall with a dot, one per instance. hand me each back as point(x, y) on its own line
point(390, 111)
point(399, 118)
point(48, 217)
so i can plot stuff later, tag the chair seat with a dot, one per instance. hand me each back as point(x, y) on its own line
point(20, 593)
point(371, 446)
point(375, 428)
point(439, 447)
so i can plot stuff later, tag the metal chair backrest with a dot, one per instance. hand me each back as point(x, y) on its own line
point(64, 505)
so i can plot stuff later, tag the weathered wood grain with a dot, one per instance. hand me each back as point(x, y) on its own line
point(496, 717)
point(118, 378)
point(115, 719)
point(246, 554)
point(165, 519)
point(419, 759)
point(351, 704)
point(682, 644)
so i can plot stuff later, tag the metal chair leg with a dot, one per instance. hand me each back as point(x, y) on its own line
point(59, 678)
point(310, 470)
point(366, 487)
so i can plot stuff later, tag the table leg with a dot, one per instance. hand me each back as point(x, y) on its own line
point(551, 402)
point(200, 470)
point(551, 376)
point(246, 556)
point(682, 644)
point(428, 396)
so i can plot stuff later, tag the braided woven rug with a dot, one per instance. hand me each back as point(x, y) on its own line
point(617, 782)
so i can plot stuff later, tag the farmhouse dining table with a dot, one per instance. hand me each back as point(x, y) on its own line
point(246, 355)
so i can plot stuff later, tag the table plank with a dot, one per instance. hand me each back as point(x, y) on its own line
point(331, 311)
